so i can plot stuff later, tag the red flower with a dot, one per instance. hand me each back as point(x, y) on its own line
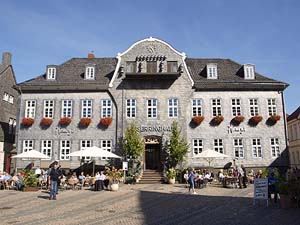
point(256, 119)
point(27, 121)
point(65, 121)
point(85, 122)
point(274, 118)
point(106, 121)
point(239, 119)
point(197, 120)
point(46, 121)
point(218, 119)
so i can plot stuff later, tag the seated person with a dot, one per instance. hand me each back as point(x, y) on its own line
point(221, 176)
point(19, 182)
point(82, 179)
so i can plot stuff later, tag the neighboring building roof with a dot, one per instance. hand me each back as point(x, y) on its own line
point(294, 115)
point(70, 76)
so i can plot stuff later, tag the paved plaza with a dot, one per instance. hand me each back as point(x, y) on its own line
point(143, 204)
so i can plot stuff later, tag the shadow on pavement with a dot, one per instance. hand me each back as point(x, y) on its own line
point(43, 197)
point(183, 208)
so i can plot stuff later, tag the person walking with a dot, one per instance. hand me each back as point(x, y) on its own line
point(54, 176)
point(191, 180)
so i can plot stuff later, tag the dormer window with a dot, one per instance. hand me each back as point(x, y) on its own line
point(249, 72)
point(51, 73)
point(172, 66)
point(90, 72)
point(212, 71)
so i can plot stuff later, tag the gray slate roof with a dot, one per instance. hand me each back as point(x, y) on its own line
point(70, 76)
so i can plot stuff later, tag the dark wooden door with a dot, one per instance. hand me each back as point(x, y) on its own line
point(152, 155)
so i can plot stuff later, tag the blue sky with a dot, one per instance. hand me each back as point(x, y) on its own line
point(265, 33)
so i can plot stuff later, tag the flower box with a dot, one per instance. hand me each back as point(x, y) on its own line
point(27, 121)
point(106, 121)
point(46, 121)
point(85, 122)
point(239, 119)
point(65, 121)
point(197, 120)
point(217, 119)
point(255, 119)
point(274, 118)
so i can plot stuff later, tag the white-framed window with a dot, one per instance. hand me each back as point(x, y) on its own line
point(66, 108)
point(65, 146)
point(51, 73)
point(106, 145)
point(197, 107)
point(106, 108)
point(90, 72)
point(218, 145)
point(30, 108)
point(5, 97)
point(130, 108)
point(48, 108)
point(253, 107)
point(212, 71)
point(86, 108)
point(85, 144)
point(47, 147)
point(11, 99)
point(236, 106)
point(11, 126)
point(249, 72)
point(197, 146)
point(272, 109)
point(27, 145)
point(275, 151)
point(173, 107)
point(256, 148)
point(216, 107)
point(238, 148)
point(152, 108)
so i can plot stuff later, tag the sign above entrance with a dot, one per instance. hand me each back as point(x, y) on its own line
point(151, 140)
point(154, 128)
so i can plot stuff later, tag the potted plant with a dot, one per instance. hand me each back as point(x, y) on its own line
point(106, 121)
point(197, 120)
point(254, 120)
point(85, 122)
point(27, 122)
point(217, 120)
point(274, 118)
point(46, 122)
point(115, 177)
point(283, 190)
point(171, 174)
point(30, 181)
point(65, 121)
point(239, 119)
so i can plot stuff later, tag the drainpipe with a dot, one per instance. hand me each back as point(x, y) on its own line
point(285, 128)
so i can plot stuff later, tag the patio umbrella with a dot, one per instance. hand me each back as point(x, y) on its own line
point(94, 152)
point(31, 155)
point(210, 155)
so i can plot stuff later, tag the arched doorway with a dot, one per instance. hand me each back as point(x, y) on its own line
point(153, 153)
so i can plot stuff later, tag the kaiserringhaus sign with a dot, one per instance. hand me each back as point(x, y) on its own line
point(154, 128)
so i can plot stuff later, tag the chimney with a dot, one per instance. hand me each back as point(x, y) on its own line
point(6, 59)
point(91, 55)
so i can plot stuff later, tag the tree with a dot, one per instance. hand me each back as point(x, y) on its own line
point(133, 144)
point(178, 146)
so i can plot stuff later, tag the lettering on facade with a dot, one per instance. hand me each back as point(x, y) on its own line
point(63, 131)
point(154, 128)
point(239, 130)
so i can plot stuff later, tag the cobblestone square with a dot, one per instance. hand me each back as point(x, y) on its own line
point(143, 204)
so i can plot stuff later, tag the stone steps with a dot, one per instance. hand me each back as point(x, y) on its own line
point(151, 177)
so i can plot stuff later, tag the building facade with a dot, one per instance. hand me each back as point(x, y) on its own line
point(8, 112)
point(294, 138)
point(153, 85)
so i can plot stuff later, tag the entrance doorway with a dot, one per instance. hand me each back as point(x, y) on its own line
point(152, 155)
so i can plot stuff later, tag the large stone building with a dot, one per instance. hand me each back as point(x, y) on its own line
point(8, 112)
point(153, 85)
point(294, 137)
